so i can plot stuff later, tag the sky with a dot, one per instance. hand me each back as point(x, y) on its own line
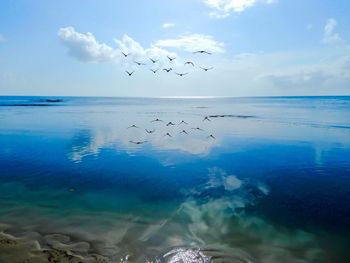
point(257, 47)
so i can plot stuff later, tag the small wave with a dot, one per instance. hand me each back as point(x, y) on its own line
point(51, 100)
point(232, 116)
point(205, 255)
point(26, 105)
point(32, 103)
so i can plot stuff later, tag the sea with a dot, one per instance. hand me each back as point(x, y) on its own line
point(262, 179)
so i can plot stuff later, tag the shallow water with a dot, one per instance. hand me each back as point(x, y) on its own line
point(273, 186)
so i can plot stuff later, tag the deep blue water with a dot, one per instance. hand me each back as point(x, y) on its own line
point(273, 186)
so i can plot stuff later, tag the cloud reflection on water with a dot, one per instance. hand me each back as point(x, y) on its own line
point(211, 216)
point(224, 221)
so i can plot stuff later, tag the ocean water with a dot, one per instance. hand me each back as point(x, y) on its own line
point(273, 185)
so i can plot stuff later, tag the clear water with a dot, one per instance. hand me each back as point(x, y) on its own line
point(273, 186)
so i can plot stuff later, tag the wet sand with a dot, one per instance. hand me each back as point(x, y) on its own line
point(56, 249)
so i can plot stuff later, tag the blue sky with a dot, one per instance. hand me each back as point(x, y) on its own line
point(259, 47)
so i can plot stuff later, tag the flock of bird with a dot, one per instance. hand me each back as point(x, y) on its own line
point(170, 123)
point(171, 59)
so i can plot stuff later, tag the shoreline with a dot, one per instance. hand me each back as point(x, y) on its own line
point(54, 248)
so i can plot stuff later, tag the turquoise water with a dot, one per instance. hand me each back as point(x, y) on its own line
point(273, 186)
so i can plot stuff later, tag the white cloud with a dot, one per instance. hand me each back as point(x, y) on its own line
point(2, 38)
point(330, 36)
point(129, 45)
point(323, 71)
point(223, 8)
point(316, 77)
point(86, 48)
point(193, 42)
point(168, 25)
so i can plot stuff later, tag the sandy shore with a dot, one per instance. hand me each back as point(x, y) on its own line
point(24, 250)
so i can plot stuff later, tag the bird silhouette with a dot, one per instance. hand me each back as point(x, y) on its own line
point(170, 58)
point(154, 60)
point(124, 54)
point(154, 71)
point(138, 142)
point(183, 122)
point(189, 63)
point(202, 52)
point(183, 131)
point(181, 74)
point(206, 69)
point(168, 134)
point(156, 120)
point(170, 123)
point(140, 64)
point(211, 136)
point(206, 118)
point(197, 128)
point(133, 126)
point(167, 69)
point(129, 73)
point(150, 131)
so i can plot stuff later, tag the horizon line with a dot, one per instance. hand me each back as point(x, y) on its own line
point(175, 97)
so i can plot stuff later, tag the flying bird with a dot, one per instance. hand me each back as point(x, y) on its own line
point(198, 129)
point(206, 69)
point(206, 118)
point(154, 60)
point(156, 120)
point(202, 52)
point(133, 126)
point(168, 134)
point(124, 54)
point(154, 71)
point(170, 58)
point(181, 74)
point(211, 136)
point(129, 73)
point(189, 63)
point(170, 123)
point(183, 122)
point(183, 131)
point(140, 64)
point(138, 142)
point(151, 131)
point(167, 69)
